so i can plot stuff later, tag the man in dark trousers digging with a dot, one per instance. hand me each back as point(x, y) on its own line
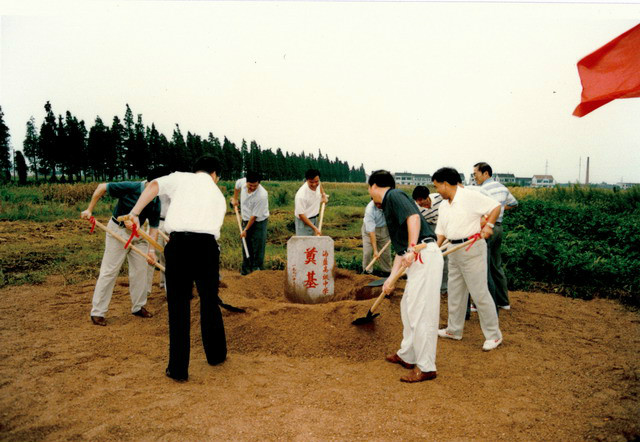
point(193, 222)
point(420, 305)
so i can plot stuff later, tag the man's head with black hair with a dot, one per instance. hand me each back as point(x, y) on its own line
point(253, 181)
point(482, 172)
point(209, 165)
point(313, 178)
point(446, 181)
point(421, 196)
point(380, 181)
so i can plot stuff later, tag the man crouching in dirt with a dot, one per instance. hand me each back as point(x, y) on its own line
point(420, 306)
point(193, 222)
point(114, 254)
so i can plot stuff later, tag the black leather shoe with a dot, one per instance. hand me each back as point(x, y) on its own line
point(99, 320)
point(143, 313)
point(177, 379)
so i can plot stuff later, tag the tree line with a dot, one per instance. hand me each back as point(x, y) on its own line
point(63, 150)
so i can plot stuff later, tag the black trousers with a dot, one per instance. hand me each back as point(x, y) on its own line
point(193, 257)
point(256, 242)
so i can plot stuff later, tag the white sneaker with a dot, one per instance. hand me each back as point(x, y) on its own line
point(473, 308)
point(505, 307)
point(443, 333)
point(490, 344)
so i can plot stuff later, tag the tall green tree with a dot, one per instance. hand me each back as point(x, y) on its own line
point(98, 148)
point(128, 141)
point(116, 159)
point(48, 143)
point(178, 152)
point(5, 150)
point(21, 166)
point(31, 147)
point(75, 147)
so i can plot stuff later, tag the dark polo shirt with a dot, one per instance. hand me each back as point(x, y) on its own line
point(397, 207)
point(128, 193)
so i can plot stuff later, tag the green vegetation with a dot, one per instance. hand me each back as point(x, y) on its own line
point(575, 241)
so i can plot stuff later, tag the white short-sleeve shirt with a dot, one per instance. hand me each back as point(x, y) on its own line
point(197, 204)
point(307, 201)
point(255, 203)
point(460, 217)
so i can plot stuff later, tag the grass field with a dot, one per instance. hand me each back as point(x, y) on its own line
point(576, 241)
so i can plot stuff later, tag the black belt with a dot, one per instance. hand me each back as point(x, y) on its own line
point(458, 241)
point(120, 223)
point(425, 240)
point(161, 219)
point(190, 235)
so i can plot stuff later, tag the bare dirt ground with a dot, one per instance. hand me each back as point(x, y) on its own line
point(568, 371)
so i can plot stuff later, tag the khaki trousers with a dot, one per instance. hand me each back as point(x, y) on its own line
point(382, 237)
point(112, 260)
point(468, 275)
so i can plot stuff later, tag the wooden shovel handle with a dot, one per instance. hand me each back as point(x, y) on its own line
point(124, 241)
point(404, 269)
point(244, 240)
point(375, 258)
point(143, 234)
point(321, 216)
point(163, 235)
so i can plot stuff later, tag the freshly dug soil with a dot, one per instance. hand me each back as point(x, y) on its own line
point(568, 370)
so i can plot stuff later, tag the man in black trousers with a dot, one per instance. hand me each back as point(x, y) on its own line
point(193, 222)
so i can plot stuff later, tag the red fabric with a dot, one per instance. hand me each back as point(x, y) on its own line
point(134, 234)
point(611, 72)
point(92, 220)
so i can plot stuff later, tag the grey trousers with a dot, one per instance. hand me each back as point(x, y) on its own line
point(382, 237)
point(256, 242)
point(112, 260)
point(304, 230)
point(468, 275)
point(496, 272)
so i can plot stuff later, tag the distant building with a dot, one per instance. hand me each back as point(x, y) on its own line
point(505, 178)
point(412, 179)
point(524, 181)
point(543, 181)
point(625, 186)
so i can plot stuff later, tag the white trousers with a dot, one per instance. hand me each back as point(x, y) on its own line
point(112, 260)
point(420, 310)
point(468, 275)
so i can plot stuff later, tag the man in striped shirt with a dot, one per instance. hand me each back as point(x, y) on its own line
point(483, 173)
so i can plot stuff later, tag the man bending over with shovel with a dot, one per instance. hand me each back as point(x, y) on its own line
point(420, 306)
point(114, 254)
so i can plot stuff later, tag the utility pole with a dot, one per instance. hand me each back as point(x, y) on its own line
point(586, 178)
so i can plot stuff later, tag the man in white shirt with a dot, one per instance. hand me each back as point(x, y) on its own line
point(193, 222)
point(375, 236)
point(459, 219)
point(307, 204)
point(428, 204)
point(254, 207)
point(483, 175)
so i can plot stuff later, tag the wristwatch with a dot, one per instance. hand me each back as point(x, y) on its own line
point(491, 224)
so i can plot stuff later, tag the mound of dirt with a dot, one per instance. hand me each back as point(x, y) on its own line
point(568, 370)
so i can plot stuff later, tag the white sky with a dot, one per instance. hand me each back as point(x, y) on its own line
point(405, 86)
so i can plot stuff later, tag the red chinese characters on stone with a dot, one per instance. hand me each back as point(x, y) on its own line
point(311, 281)
point(310, 256)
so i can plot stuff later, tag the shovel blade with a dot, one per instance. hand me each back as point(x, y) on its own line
point(377, 283)
point(365, 319)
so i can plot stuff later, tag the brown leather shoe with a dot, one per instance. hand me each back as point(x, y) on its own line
point(143, 313)
point(99, 320)
point(416, 375)
point(395, 359)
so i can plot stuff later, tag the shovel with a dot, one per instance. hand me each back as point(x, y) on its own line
point(379, 282)
point(244, 240)
point(143, 234)
point(370, 315)
point(124, 241)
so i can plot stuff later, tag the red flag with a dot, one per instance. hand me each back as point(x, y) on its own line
point(611, 72)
